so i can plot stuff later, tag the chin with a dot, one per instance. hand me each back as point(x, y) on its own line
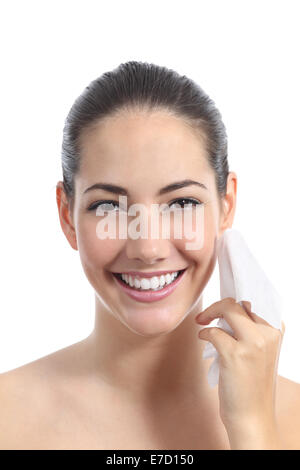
point(151, 325)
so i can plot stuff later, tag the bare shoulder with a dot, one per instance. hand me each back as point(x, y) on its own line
point(26, 401)
point(288, 412)
point(32, 401)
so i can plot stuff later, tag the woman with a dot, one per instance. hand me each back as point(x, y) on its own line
point(138, 381)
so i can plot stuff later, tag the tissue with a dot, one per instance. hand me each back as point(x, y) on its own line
point(242, 278)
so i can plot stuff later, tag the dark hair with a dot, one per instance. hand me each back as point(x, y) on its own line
point(145, 86)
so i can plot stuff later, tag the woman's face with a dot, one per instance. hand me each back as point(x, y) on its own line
point(143, 153)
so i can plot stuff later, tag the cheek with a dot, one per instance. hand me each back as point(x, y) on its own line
point(199, 236)
point(93, 251)
point(203, 260)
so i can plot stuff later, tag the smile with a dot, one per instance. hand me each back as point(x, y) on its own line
point(149, 289)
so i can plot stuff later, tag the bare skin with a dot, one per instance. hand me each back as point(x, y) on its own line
point(138, 381)
point(55, 403)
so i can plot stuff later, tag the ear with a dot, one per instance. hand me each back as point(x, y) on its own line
point(65, 215)
point(228, 203)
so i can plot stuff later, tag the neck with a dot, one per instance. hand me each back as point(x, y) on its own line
point(144, 366)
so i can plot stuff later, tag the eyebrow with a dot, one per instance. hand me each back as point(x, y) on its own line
point(112, 188)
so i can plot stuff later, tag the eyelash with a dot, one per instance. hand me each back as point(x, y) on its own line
point(98, 203)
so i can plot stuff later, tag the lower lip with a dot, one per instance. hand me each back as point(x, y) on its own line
point(150, 296)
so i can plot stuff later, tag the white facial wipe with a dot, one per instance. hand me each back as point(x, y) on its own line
point(242, 278)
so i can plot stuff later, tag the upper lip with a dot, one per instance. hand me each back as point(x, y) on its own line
point(149, 274)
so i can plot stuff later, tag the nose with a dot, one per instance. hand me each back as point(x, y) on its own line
point(149, 251)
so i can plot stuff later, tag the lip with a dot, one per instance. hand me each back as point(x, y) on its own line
point(149, 274)
point(150, 296)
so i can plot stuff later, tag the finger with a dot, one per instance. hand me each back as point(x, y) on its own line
point(282, 331)
point(252, 315)
point(260, 320)
point(220, 339)
point(235, 316)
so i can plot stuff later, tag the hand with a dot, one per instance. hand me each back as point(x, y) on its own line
point(248, 362)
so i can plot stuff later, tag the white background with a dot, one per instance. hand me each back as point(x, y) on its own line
point(245, 54)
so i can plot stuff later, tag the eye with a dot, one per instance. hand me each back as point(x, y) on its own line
point(185, 202)
point(106, 206)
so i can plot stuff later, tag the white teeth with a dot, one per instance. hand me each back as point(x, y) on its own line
point(145, 284)
point(162, 281)
point(153, 283)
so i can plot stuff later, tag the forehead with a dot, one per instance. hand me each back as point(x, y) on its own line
point(142, 146)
